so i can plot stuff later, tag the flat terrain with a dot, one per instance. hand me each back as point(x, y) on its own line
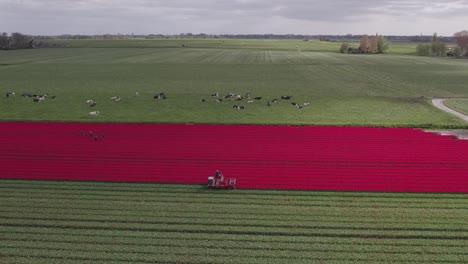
point(366, 90)
point(79, 222)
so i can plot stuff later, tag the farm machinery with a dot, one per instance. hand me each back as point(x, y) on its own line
point(218, 181)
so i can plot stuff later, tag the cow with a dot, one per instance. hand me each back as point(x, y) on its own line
point(159, 96)
point(258, 98)
point(8, 94)
point(215, 95)
point(116, 98)
point(94, 113)
point(286, 97)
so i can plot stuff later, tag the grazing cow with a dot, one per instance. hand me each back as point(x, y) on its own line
point(8, 94)
point(294, 103)
point(286, 97)
point(116, 98)
point(306, 103)
point(247, 95)
point(26, 95)
point(251, 101)
point(298, 106)
point(203, 100)
point(94, 113)
point(269, 103)
point(258, 98)
point(89, 101)
point(215, 95)
point(219, 100)
point(274, 100)
point(160, 96)
point(238, 107)
point(39, 98)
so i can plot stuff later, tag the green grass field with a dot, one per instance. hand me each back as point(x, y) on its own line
point(365, 90)
point(78, 222)
point(459, 105)
point(408, 48)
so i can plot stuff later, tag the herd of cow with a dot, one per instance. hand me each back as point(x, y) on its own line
point(238, 97)
point(36, 97)
point(162, 96)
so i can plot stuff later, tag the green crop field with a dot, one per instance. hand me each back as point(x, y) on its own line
point(78, 222)
point(364, 90)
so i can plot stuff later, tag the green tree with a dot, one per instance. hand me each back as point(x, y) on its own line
point(383, 44)
point(423, 49)
point(344, 48)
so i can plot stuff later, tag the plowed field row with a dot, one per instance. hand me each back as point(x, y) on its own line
point(81, 222)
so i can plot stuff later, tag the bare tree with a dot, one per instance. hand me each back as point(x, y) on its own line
point(4, 41)
point(15, 41)
point(364, 46)
point(462, 40)
point(374, 46)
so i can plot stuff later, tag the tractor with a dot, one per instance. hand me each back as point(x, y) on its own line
point(219, 182)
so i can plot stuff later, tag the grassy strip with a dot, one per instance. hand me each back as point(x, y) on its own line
point(119, 235)
point(458, 105)
point(458, 227)
point(201, 189)
point(211, 254)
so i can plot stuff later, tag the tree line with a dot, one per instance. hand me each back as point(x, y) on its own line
point(439, 48)
point(373, 45)
point(15, 41)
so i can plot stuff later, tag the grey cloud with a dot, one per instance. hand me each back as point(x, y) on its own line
point(155, 16)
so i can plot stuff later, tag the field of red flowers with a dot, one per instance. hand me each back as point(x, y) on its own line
point(260, 157)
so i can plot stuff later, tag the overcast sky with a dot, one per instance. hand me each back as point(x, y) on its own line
point(386, 17)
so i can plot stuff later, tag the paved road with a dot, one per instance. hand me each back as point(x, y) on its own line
point(439, 103)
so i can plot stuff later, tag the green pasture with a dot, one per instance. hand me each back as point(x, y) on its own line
point(459, 105)
point(255, 44)
point(79, 222)
point(364, 90)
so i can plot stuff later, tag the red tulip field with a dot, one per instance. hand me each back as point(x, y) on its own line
point(259, 157)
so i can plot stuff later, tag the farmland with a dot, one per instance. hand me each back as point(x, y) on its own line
point(379, 90)
point(289, 207)
point(80, 222)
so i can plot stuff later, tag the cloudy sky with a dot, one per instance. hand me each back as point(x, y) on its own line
point(387, 17)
